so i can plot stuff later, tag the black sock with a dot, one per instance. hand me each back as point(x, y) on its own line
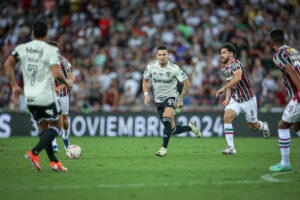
point(181, 129)
point(50, 152)
point(46, 137)
point(167, 131)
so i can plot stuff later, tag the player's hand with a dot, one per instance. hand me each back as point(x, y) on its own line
point(16, 92)
point(220, 91)
point(69, 83)
point(179, 106)
point(57, 90)
point(146, 100)
point(225, 102)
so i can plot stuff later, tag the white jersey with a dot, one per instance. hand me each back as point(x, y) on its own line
point(36, 58)
point(164, 80)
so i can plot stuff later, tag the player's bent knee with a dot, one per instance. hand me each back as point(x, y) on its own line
point(253, 126)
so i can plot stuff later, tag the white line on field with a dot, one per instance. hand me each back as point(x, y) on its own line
point(270, 177)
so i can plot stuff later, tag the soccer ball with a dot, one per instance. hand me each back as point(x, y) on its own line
point(73, 151)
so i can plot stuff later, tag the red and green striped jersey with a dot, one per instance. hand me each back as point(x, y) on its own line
point(287, 55)
point(65, 68)
point(241, 91)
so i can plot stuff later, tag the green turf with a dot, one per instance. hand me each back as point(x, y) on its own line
point(126, 168)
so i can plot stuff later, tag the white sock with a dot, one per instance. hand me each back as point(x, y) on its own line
point(284, 139)
point(66, 134)
point(298, 133)
point(228, 131)
point(54, 142)
point(261, 125)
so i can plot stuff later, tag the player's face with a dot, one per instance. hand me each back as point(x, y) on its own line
point(225, 55)
point(162, 56)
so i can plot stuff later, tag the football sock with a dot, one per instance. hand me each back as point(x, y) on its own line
point(181, 129)
point(46, 137)
point(50, 153)
point(284, 139)
point(167, 131)
point(66, 134)
point(54, 142)
point(261, 125)
point(228, 131)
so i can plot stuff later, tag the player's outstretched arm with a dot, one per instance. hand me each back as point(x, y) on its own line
point(58, 75)
point(9, 65)
point(237, 76)
point(145, 90)
point(185, 91)
point(293, 75)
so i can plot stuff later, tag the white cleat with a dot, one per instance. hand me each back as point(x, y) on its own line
point(192, 125)
point(162, 152)
point(229, 150)
point(266, 131)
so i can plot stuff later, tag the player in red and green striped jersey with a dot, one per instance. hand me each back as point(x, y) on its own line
point(63, 94)
point(242, 97)
point(287, 59)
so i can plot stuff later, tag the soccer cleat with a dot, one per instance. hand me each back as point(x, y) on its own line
point(55, 149)
point(162, 152)
point(192, 125)
point(280, 168)
point(34, 160)
point(266, 133)
point(57, 166)
point(66, 143)
point(229, 150)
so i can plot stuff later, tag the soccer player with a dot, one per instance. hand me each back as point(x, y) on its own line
point(40, 63)
point(242, 97)
point(165, 76)
point(63, 94)
point(287, 59)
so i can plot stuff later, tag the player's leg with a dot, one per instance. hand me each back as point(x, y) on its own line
point(296, 127)
point(66, 131)
point(232, 110)
point(54, 143)
point(291, 114)
point(229, 116)
point(250, 109)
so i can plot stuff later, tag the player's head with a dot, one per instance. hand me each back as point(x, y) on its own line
point(227, 52)
point(162, 55)
point(277, 37)
point(40, 30)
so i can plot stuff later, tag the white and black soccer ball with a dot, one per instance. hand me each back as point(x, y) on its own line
point(73, 151)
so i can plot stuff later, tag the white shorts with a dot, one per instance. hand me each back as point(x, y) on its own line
point(291, 112)
point(249, 107)
point(64, 105)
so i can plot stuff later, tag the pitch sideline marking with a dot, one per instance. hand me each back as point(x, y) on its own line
point(270, 177)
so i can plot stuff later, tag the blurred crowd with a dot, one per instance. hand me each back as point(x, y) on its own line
point(110, 42)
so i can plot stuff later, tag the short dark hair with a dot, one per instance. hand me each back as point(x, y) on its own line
point(230, 47)
point(53, 43)
point(162, 48)
point(40, 29)
point(277, 36)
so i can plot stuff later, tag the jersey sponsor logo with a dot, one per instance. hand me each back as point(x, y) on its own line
point(35, 51)
point(161, 81)
point(30, 99)
point(49, 112)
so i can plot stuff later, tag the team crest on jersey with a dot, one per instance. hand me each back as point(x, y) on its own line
point(168, 74)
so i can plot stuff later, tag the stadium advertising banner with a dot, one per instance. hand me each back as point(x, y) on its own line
point(133, 124)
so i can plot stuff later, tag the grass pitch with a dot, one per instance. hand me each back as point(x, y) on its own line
point(127, 168)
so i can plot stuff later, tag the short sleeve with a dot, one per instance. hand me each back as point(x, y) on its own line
point(16, 53)
point(236, 65)
point(54, 57)
point(66, 64)
point(147, 73)
point(180, 75)
point(281, 59)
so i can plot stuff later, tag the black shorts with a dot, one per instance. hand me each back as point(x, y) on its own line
point(169, 102)
point(48, 113)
